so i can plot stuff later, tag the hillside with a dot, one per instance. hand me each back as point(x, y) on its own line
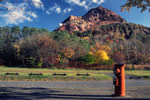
point(123, 29)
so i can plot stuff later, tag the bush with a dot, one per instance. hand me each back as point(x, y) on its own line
point(87, 59)
point(106, 62)
point(30, 61)
point(39, 64)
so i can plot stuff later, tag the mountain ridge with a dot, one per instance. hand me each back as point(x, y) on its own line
point(89, 21)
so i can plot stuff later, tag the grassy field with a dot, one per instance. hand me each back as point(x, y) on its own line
point(48, 74)
point(71, 74)
point(139, 72)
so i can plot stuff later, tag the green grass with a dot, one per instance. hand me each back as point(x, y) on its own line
point(39, 70)
point(139, 72)
point(47, 74)
point(71, 74)
point(53, 78)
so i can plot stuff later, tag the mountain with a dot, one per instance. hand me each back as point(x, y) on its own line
point(101, 21)
point(91, 20)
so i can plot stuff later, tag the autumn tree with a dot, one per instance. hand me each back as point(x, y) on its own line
point(101, 55)
point(71, 44)
point(39, 49)
point(100, 52)
point(119, 57)
point(99, 46)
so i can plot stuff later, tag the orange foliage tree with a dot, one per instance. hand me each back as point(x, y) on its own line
point(41, 49)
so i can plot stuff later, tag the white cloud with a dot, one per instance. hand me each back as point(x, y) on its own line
point(32, 14)
point(78, 2)
point(98, 1)
point(67, 10)
point(17, 13)
point(58, 10)
point(85, 3)
point(55, 9)
point(38, 4)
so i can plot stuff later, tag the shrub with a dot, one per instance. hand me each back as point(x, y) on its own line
point(30, 61)
point(87, 59)
point(106, 62)
point(39, 64)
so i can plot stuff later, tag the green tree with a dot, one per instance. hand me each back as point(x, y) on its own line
point(27, 31)
point(143, 4)
point(7, 39)
point(16, 32)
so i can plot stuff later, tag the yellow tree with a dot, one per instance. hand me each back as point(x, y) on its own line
point(101, 56)
point(100, 52)
point(98, 47)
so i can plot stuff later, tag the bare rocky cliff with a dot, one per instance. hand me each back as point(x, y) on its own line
point(91, 20)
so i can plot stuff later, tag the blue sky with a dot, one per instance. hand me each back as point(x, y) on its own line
point(49, 13)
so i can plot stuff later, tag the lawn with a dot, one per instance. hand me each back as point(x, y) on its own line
point(47, 71)
point(95, 75)
point(48, 74)
point(138, 72)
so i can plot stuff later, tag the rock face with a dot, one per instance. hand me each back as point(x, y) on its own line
point(91, 20)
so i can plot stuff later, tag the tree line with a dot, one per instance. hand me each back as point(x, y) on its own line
point(40, 48)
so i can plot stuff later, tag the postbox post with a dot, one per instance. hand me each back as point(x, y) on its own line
point(122, 80)
point(119, 80)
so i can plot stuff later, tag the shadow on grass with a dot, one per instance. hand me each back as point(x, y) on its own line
point(17, 93)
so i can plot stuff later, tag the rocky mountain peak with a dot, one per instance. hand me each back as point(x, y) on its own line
point(91, 20)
